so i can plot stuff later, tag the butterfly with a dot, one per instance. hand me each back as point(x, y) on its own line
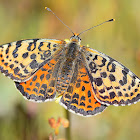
point(84, 80)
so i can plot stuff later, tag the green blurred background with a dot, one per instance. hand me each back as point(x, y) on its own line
point(27, 19)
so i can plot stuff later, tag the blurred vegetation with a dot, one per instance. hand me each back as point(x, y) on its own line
point(24, 19)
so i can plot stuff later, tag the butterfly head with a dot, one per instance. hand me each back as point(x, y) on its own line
point(75, 38)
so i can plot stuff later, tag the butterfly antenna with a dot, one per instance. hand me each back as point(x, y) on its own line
point(97, 25)
point(58, 18)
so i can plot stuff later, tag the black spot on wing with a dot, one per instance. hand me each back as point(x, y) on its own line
point(41, 77)
point(37, 84)
point(82, 104)
point(70, 89)
point(16, 70)
point(120, 94)
point(76, 96)
point(93, 67)
point(102, 90)
point(112, 77)
point(33, 64)
point(26, 71)
point(32, 45)
point(40, 45)
point(111, 67)
point(33, 56)
point(11, 66)
point(103, 62)
point(112, 95)
point(7, 50)
point(34, 78)
point(98, 81)
point(20, 87)
point(48, 46)
point(74, 101)
point(83, 88)
point(25, 55)
point(89, 93)
point(5, 64)
point(22, 66)
point(126, 95)
point(83, 98)
point(14, 53)
point(103, 74)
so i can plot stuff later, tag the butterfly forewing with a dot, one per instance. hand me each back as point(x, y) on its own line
point(20, 60)
point(113, 83)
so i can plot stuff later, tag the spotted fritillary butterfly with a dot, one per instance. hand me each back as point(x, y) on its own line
point(85, 80)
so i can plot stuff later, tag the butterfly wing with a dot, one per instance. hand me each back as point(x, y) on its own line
point(79, 97)
point(41, 87)
point(113, 83)
point(21, 59)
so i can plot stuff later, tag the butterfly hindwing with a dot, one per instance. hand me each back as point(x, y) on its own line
point(21, 59)
point(113, 83)
point(79, 97)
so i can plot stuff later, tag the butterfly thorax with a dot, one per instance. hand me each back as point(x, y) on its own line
point(71, 50)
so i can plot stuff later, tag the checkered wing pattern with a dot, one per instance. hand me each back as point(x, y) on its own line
point(112, 83)
point(21, 59)
point(42, 86)
point(79, 97)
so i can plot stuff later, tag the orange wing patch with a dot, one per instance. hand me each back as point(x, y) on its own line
point(20, 60)
point(79, 97)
